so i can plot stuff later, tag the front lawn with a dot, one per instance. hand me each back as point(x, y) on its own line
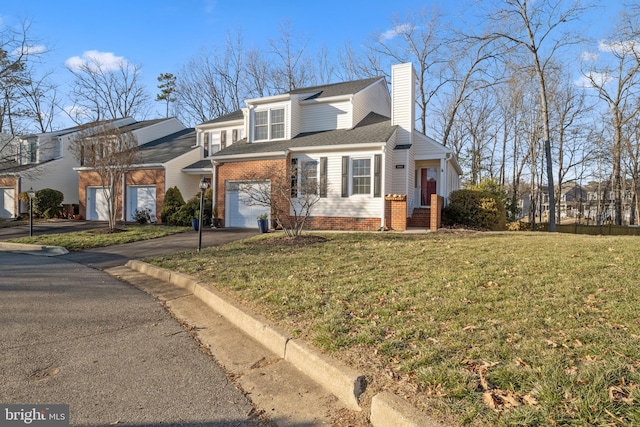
point(475, 328)
point(99, 237)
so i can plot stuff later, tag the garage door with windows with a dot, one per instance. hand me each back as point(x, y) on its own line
point(7, 202)
point(97, 208)
point(240, 212)
point(141, 197)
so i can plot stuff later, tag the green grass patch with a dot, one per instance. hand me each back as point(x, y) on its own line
point(96, 238)
point(483, 328)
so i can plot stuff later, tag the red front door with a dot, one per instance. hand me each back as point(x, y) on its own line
point(427, 185)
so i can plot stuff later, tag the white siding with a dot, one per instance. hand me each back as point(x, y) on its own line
point(358, 206)
point(426, 148)
point(173, 175)
point(374, 98)
point(403, 101)
point(325, 116)
point(295, 116)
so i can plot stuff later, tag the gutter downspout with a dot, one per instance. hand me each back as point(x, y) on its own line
point(383, 189)
point(124, 190)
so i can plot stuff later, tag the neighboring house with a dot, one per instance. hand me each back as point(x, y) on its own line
point(46, 160)
point(355, 136)
point(158, 166)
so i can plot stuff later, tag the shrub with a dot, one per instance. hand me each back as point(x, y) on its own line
point(475, 209)
point(191, 209)
point(519, 226)
point(491, 185)
point(173, 201)
point(142, 216)
point(47, 202)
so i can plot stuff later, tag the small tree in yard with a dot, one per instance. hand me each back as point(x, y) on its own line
point(290, 195)
point(109, 152)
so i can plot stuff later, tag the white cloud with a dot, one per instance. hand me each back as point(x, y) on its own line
point(107, 61)
point(589, 56)
point(600, 80)
point(619, 48)
point(398, 29)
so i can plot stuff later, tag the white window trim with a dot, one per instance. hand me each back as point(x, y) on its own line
point(300, 165)
point(351, 176)
point(269, 123)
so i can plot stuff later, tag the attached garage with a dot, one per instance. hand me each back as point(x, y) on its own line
point(97, 207)
point(239, 211)
point(7, 202)
point(141, 197)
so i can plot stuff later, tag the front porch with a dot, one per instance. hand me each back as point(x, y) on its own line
point(396, 218)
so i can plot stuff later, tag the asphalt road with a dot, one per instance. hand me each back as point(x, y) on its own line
point(75, 335)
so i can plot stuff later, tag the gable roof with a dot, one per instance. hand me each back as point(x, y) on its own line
point(335, 89)
point(167, 148)
point(373, 128)
point(139, 125)
point(235, 115)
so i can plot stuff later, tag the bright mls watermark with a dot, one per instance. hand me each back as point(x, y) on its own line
point(34, 415)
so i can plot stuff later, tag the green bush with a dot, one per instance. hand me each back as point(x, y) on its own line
point(173, 201)
point(48, 203)
point(191, 209)
point(475, 209)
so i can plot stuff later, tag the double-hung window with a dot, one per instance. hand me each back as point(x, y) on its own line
point(269, 124)
point(262, 125)
point(361, 176)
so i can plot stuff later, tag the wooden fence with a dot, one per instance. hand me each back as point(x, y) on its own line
point(604, 229)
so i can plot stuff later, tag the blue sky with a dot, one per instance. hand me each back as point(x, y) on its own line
point(162, 35)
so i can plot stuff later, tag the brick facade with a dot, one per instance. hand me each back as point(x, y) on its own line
point(255, 170)
point(137, 177)
point(396, 212)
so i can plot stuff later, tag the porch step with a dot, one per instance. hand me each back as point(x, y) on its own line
point(421, 217)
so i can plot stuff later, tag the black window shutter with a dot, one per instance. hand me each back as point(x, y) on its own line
point(377, 175)
point(345, 176)
point(323, 177)
point(294, 178)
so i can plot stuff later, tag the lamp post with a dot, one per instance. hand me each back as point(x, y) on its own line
point(31, 195)
point(203, 186)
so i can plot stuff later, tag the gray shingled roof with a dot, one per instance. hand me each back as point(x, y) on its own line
point(200, 164)
point(373, 128)
point(166, 148)
point(236, 115)
point(336, 89)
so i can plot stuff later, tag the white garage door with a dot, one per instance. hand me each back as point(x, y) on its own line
point(97, 208)
point(239, 212)
point(7, 203)
point(141, 197)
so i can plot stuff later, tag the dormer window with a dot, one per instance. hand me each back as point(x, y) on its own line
point(269, 124)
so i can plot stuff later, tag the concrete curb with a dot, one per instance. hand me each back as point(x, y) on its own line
point(389, 410)
point(43, 250)
point(342, 381)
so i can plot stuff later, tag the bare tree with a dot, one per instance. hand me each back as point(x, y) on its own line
point(211, 84)
point(109, 152)
point(105, 91)
point(417, 39)
point(536, 27)
point(618, 85)
point(289, 194)
point(291, 67)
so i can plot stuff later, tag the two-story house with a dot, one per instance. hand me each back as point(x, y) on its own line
point(355, 136)
point(165, 148)
point(41, 161)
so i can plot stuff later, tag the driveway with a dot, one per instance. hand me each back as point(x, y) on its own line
point(75, 335)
